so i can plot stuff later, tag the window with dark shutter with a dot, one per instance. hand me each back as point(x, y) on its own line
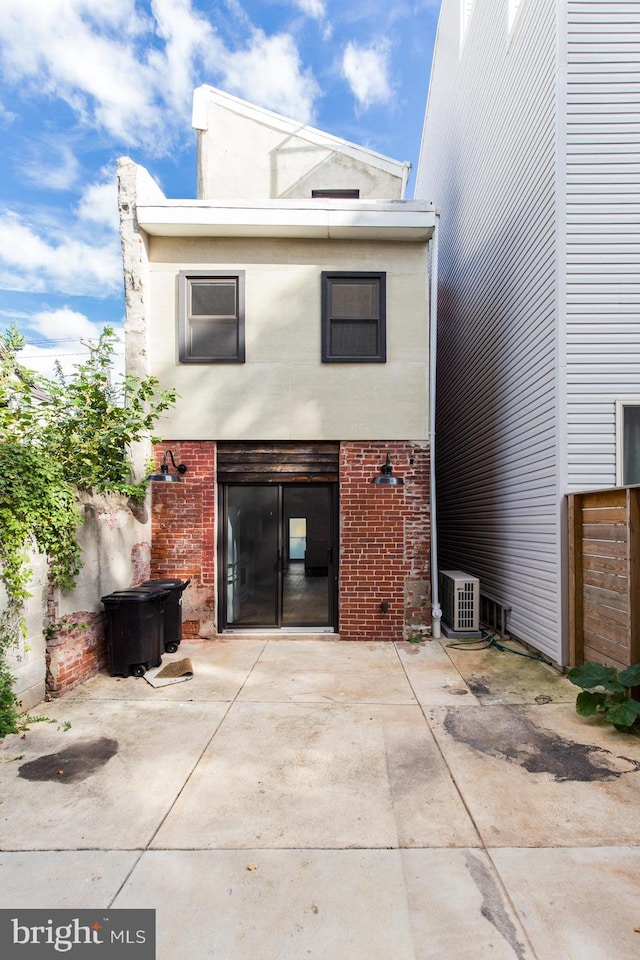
point(354, 317)
point(211, 308)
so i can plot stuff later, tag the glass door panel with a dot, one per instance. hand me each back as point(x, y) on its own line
point(307, 581)
point(279, 548)
point(252, 556)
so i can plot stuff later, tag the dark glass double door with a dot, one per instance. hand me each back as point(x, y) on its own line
point(279, 550)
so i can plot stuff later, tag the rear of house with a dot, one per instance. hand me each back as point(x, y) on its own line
point(529, 153)
point(289, 307)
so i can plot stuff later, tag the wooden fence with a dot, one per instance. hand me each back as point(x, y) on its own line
point(604, 576)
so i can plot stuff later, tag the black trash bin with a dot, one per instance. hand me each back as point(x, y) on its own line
point(135, 630)
point(172, 609)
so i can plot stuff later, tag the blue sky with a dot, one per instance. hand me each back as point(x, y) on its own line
point(83, 82)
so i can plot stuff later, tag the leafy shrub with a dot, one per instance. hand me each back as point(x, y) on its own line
point(607, 693)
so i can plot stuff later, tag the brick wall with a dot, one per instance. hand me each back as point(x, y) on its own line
point(76, 650)
point(183, 531)
point(384, 542)
point(384, 539)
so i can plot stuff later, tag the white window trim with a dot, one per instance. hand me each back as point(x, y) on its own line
point(620, 405)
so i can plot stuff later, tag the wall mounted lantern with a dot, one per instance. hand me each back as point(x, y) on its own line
point(386, 478)
point(165, 476)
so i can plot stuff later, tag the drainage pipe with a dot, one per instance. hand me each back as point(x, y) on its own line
point(436, 612)
point(406, 172)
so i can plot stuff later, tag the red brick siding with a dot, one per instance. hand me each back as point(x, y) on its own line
point(384, 537)
point(183, 525)
point(76, 650)
point(384, 542)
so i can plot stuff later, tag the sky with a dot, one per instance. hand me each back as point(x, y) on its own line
point(83, 82)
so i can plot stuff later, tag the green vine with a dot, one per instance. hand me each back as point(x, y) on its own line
point(59, 435)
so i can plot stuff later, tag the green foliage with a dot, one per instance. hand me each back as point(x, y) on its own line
point(9, 703)
point(58, 435)
point(91, 421)
point(607, 693)
point(37, 506)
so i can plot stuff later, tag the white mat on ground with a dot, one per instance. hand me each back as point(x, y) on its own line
point(174, 672)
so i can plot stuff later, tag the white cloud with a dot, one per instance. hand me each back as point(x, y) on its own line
point(59, 169)
point(7, 117)
point(64, 264)
point(66, 325)
point(366, 70)
point(269, 72)
point(69, 333)
point(133, 75)
point(313, 8)
point(93, 57)
point(81, 52)
point(188, 36)
point(99, 201)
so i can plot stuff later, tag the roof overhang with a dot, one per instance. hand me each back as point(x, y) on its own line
point(398, 220)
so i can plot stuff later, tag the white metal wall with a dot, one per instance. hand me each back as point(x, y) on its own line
point(602, 230)
point(489, 164)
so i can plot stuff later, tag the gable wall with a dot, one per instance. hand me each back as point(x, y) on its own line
point(251, 156)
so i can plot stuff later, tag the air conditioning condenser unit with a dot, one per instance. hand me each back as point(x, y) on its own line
point(460, 600)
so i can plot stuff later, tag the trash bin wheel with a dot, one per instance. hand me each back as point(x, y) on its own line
point(171, 647)
point(138, 670)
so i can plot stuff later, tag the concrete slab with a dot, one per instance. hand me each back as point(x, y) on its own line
point(583, 904)
point(361, 904)
point(82, 879)
point(264, 904)
point(308, 810)
point(459, 909)
point(496, 676)
point(432, 675)
point(542, 776)
point(319, 775)
point(107, 781)
point(220, 668)
point(331, 670)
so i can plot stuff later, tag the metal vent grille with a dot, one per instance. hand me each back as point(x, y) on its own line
point(460, 595)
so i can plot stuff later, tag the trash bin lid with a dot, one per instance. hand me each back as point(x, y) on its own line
point(134, 595)
point(170, 582)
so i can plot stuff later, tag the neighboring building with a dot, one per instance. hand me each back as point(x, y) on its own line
point(289, 307)
point(530, 153)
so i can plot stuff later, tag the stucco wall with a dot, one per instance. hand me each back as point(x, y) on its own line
point(284, 391)
point(248, 153)
point(115, 543)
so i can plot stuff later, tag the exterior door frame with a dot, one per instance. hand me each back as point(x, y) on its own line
point(223, 551)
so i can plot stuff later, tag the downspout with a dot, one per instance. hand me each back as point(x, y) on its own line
point(436, 612)
point(406, 171)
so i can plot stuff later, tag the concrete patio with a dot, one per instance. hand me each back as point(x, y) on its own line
point(310, 798)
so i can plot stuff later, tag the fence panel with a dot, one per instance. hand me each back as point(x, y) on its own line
point(604, 601)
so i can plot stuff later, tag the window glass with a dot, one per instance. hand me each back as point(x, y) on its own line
point(213, 297)
point(631, 444)
point(211, 317)
point(353, 317)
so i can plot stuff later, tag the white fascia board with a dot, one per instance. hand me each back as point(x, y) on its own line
point(384, 220)
point(204, 94)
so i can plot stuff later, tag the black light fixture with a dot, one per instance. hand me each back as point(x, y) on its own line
point(164, 476)
point(386, 477)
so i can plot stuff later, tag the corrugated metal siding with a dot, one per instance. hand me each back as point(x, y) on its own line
point(488, 162)
point(602, 230)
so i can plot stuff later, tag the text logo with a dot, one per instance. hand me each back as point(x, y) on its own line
point(78, 934)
